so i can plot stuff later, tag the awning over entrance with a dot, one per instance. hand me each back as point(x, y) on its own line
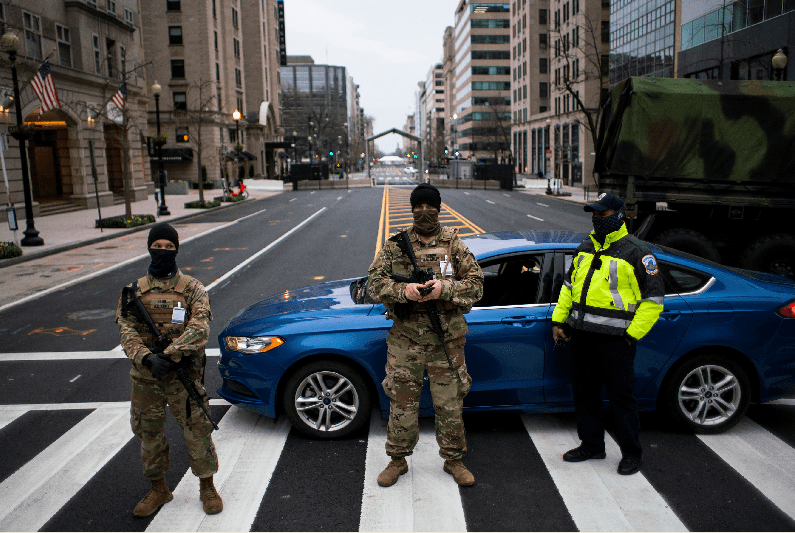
point(241, 156)
point(176, 154)
point(273, 145)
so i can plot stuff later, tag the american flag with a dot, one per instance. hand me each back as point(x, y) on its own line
point(120, 96)
point(44, 87)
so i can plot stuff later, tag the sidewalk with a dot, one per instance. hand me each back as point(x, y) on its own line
point(67, 231)
point(537, 186)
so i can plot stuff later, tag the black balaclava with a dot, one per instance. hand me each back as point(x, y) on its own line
point(426, 221)
point(164, 262)
point(603, 226)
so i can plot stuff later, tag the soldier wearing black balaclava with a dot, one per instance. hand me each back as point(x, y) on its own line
point(611, 297)
point(179, 306)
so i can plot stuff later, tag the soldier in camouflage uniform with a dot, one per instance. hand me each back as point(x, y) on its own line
point(412, 345)
point(179, 305)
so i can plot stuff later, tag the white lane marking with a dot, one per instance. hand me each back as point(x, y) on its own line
point(597, 498)
point(261, 252)
point(783, 401)
point(36, 472)
point(536, 218)
point(506, 194)
point(293, 199)
point(542, 205)
point(251, 215)
point(98, 272)
point(9, 410)
point(466, 193)
point(11, 413)
point(116, 353)
point(490, 202)
point(39, 506)
point(75, 378)
point(761, 458)
point(424, 499)
point(249, 446)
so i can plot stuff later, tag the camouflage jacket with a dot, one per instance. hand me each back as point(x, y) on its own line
point(462, 284)
point(191, 340)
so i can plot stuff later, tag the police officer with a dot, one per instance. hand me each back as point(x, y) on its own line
point(413, 347)
point(611, 297)
point(179, 305)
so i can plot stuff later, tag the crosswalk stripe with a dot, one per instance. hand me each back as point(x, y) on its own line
point(423, 499)
point(9, 415)
point(34, 512)
point(24, 482)
point(597, 498)
point(249, 447)
point(761, 458)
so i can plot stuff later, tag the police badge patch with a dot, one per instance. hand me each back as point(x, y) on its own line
point(650, 263)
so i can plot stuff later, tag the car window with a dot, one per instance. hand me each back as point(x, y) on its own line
point(681, 280)
point(512, 280)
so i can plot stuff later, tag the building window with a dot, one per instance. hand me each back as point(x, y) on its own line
point(173, 5)
point(542, 17)
point(110, 46)
point(543, 90)
point(181, 134)
point(234, 17)
point(64, 45)
point(236, 47)
point(217, 72)
point(32, 35)
point(110, 5)
point(215, 37)
point(178, 68)
point(180, 101)
point(240, 106)
point(97, 61)
point(238, 77)
point(542, 41)
point(215, 13)
point(175, 35)
point(128, 15)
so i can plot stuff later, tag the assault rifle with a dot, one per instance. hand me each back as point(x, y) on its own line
point(422, 276)
point(136, 307)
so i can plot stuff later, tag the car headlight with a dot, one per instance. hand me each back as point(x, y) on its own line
point(252, 344)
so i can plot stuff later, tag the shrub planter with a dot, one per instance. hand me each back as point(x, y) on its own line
point(198, 205)
point(177, 187)
point(120, 222)
point(9, 250)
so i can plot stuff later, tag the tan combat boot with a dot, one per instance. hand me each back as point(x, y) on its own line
point(459, 472)
point(395, 469)
point(154, 498)
point(209, 496)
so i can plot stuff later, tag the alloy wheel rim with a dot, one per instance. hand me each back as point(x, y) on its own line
point(326, 401)
point(709, 395)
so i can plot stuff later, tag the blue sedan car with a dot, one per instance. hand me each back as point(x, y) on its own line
point(726, 337)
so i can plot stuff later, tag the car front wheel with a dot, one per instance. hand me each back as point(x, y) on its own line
point(708, 394)
point(326, 400)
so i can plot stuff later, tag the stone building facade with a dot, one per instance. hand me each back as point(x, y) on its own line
point(92, 46)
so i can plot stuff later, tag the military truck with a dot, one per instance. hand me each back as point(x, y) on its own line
point(705, 166)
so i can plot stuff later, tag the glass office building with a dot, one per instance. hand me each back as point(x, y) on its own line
point(641, 39)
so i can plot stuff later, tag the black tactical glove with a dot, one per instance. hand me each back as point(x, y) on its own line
point(159, 364)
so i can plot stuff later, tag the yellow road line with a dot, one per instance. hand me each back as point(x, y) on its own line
point(463, 219)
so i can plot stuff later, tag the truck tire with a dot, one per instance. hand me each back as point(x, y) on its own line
point(688, 241)
point(772, 253)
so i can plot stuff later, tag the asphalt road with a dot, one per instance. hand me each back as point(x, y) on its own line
point(70, 464)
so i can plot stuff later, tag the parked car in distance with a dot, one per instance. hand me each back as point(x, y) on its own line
point(726, 337)
point(410, 170)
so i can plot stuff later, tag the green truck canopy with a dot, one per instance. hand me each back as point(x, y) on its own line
point(700, 134)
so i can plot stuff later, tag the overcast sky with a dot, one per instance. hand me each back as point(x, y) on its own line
point(386, 45)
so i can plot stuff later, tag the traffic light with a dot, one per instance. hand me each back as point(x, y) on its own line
point(446, 151)
point(415, 157)
point(331, 154)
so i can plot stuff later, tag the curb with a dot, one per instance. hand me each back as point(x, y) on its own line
point(77, 244)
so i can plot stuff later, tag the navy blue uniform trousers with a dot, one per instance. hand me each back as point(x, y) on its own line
point(598, 359)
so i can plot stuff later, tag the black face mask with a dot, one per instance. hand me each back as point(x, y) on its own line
point(426, 222)
point(603, 226)
point(164, 262)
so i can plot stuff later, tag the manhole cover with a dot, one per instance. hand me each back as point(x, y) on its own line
point(92, 314)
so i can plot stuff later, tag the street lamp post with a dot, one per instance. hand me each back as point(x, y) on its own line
point(162, 210)
point(236, 117)
point(21, 134)
point(295, 147)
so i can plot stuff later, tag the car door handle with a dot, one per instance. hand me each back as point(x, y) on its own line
point(518, 320)
point(670, 315)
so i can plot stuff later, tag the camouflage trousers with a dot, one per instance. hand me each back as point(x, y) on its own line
point(148, 415)
point(405, 368)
